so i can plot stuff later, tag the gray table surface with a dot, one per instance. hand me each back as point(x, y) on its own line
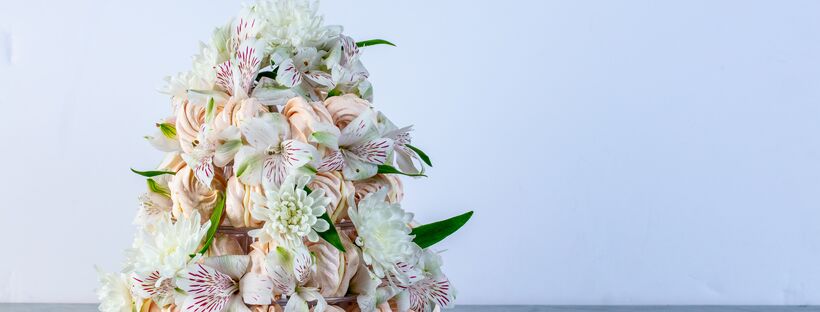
point(41, 307)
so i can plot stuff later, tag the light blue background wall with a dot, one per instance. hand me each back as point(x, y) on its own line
point(615, 152)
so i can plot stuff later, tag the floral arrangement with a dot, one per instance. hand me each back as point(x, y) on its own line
point(280, 186)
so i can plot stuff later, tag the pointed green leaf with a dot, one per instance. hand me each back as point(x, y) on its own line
point(422, 155)
point(216, 217)
point(209, 110)
point(334, 92)
point(429, 234)
point(152, 173)
point(168, 130)
point(156, 188)
point(367, 43)
point(392, 170)
point(331, 235)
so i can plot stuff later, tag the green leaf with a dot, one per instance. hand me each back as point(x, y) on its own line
point(421, 154)
point(331, 235)
point(209, 110)
point(168, 130)
point(429, 234)
point(392, 170)
point(152, 173)
point(216, 216)
point(371, 42)
point(156, 188)
point(334, 92)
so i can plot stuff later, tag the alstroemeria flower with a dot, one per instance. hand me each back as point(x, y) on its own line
point(212, 148)
point(406, 158)
point(301, 72)
point(155, 204)
point(165, 138)
point(236, 75)
point(347, 71)
point(431, 290)
point(269, 157)
point(358, 150)
point(158, 255)
point(384, 236)
point(221, 284)
point(290, 269)
point(289, 213)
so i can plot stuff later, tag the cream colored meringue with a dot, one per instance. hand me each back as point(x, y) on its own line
point(235, 111)
point(225, 244)
point(303, 117)
point(238, 204)
point(343, 109)
point(189, 195)
point(337, 189)
point(395, 191)
point(189, 121)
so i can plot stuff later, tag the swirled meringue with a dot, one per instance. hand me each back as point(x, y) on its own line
point(304, 117)
point(189, 195)
point(393, 184)
point(343, 109)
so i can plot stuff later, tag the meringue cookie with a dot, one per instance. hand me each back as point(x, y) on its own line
point(336, 188)
point(343, 109)
point(304, 117)
point(189, 121)
point(225, 244)
point(395, 191)
point(189, 195)
point(238, 204)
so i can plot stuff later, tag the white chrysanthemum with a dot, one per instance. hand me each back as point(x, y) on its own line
point(295, 23)
point(115, 293)
point(202, 75)
point(384, 235)
point(289, 212)
point(168, 247)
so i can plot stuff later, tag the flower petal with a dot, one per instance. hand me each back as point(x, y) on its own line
point(206, 288)
point(225, 152)
point(256, 288)
point(296, 304)
point(204, 171)
point(296, 153)
point(236, 305)
point(356, 169)
point(374, 151)
point(302, 264)
point(248, 165)
point(361, 129)
point(334, 161)
point(274, 171)
point(231, 265)
point(262, 131)
point(321, 78)
point(288, 74)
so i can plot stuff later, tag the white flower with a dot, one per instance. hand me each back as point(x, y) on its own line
point(165, 137)
point(153, 208)
point(290, 269)
point(301, 72)
point(289, 212)
point(295, 23)
point(358, 150)
point(212, 148)
point(158, 255)
point(430, 290)
point(115, 293)
point(384, 235)
point(202, 75)
point(221, 284)
point(406, 158)
point(269, 157)
point(347, 70)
